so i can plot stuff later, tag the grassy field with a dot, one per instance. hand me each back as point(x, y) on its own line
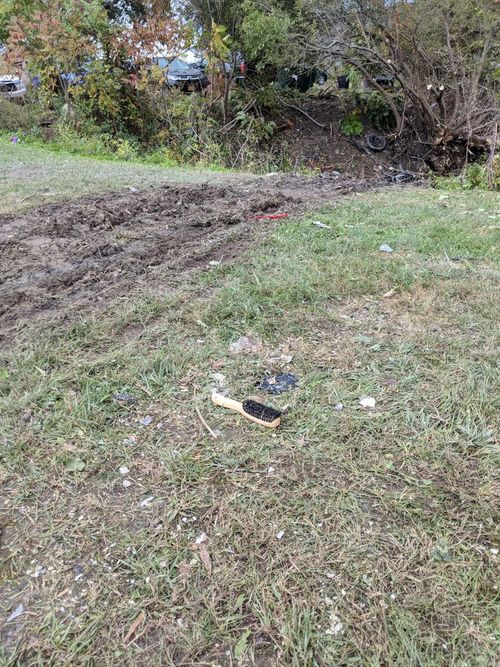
point(350, 536)
point(31, 176)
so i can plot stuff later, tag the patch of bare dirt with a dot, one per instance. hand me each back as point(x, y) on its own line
point(72, 256)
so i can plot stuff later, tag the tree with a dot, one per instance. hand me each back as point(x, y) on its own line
point(440, 53)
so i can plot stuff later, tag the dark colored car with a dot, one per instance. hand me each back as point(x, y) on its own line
point(181, 75)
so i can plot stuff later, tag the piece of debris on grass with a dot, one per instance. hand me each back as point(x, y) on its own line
point(280, 534)
point(146, 421)
point(367, 402)
point(126, 483)
point(146, 502)
point(390, 293)
point(336, 626)
point(134, 627)
point(246, 344)
point(123, 470)
point(385, 248)
point(278, 384)
point(124, 397)
point(17, 612)
point(339, 407)
point(219, 378)
point(322, 225)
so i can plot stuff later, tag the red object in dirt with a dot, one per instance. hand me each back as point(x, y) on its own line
point(276, 216)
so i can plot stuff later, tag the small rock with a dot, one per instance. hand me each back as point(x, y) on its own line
point(246, 344)
point(385, 248)
point(126, 483)
point(123, 470)
point(368, 402)
point(17, 612)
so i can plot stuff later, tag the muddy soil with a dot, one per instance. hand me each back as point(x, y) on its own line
point(68, 258)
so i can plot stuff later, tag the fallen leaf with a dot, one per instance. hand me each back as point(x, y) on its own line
point(205, 558)
point(134, 627)
point(185, 570)
point(75, 465)
point(241, 645)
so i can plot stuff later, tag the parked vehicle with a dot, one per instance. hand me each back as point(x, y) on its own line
point(179, 74)
point(12, 87)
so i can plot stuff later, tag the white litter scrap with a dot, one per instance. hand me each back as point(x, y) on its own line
point(322, 225)
point(385, 248)
point(367, 402)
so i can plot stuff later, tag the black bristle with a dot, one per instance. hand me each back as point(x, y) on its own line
point(260, 411)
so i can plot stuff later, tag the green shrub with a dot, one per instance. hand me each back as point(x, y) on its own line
point(378, 111)
point(351, 125)
point(16, 117)
point(474, 177)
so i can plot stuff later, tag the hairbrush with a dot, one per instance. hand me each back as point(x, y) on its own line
point(252, 410)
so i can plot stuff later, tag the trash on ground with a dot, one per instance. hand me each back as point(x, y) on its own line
point(132, 189)
point(146, 421)
point(202, 537)
point(123, 470)
point(252, 410)
point(17, 612)
point(385, 248)
point(126, 483)
point(213, 262)
point(317, 223)
point(246, 344)
point(278, 384)
point(15, 140)
point(146, 502)
point(339, 407)
point(124, 397)
point(390, 293)
point(279, 536)
point(368, 402)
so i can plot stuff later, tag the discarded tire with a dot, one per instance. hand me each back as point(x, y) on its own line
point(375, 142)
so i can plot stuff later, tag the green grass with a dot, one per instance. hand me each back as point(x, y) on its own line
point(389, 516)
point(31, 175)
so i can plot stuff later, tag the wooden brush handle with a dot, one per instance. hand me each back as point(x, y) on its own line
point(225, 402)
